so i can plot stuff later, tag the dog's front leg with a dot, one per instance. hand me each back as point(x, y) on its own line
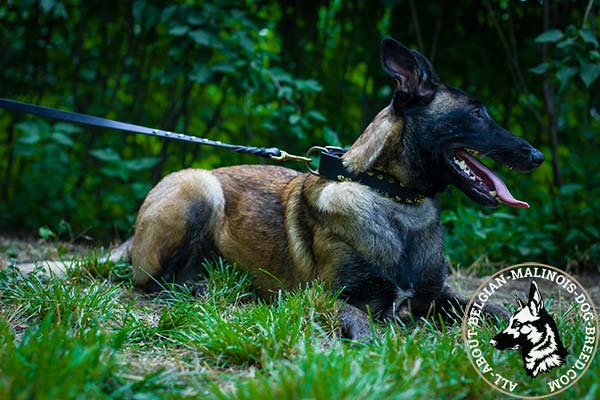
point(355, 323)
point(453, 305)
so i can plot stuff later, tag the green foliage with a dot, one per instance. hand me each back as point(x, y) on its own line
point(512, 236)
point(46, 233)
point(214, 68)
point(37, 297)
point(578, 55)
point(250, 336)
point(269, 74)
point(175, 346)
point(560, 227)
point(238, 333)
point(53, 361)
point(227, 283)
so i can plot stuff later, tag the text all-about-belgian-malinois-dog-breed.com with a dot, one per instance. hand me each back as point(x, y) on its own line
point(287, 228)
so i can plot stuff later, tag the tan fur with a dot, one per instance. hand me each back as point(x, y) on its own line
point(270, 220)
point(296, 232)
point(161, 221)
point(252, 233)
point(442, 102)
point(377, 137)
point(341, 200)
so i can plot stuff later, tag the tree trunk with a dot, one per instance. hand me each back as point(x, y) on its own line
point(549, 101)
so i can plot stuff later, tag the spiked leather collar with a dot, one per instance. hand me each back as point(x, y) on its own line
point(331, 167)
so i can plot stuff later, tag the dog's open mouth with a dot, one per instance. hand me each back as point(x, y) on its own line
point(478, 181)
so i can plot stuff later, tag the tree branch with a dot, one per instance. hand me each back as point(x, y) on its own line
point(436, 35)
point(549, 93)
point(513, 63)
point(415, 17)
point(588, 9)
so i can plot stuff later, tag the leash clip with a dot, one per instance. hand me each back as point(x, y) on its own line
point(319, 149)
point(285, 156)
point(310, 152)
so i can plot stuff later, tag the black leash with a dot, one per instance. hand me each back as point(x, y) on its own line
point(272, 153)
point(330, 165)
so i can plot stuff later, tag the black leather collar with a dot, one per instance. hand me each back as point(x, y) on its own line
point(331, 167)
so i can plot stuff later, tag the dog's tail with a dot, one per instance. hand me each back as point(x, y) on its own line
point(58, 268)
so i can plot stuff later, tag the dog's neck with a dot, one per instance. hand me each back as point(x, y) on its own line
point(382, 146)
point(545, 355)
point(371, 147)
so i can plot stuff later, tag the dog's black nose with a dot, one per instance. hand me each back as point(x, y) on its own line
point(536, 157)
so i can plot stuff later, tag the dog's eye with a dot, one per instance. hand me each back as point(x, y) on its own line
point(516, 325)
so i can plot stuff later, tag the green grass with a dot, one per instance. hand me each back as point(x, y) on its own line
point(90, 335)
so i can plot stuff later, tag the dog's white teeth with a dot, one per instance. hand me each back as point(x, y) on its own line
point(463, 166)
point(466, 170)
point(493, 193)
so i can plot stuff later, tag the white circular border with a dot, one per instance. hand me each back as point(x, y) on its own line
point(472, 300)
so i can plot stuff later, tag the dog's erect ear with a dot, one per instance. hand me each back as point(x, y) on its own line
point(535, 299)
point(414, 75)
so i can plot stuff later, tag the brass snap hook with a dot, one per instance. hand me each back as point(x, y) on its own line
point(285, 156)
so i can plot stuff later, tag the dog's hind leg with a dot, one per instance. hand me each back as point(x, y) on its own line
point(452, 305)
point(175, 228)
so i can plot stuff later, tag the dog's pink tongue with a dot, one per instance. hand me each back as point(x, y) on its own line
point(501, 190)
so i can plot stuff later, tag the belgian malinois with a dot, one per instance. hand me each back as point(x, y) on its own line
point(287, 228)
point(301, 227)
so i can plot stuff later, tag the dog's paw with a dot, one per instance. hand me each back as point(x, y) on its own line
point(200, 290)
point(356, 324)
point(357, 330)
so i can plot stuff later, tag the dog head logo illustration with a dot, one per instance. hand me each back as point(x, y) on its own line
point(548, 365)
point(533, 330)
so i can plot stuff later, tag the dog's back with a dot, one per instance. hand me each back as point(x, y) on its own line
point(285, 228)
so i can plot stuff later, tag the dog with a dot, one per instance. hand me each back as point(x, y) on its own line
point(534, 331)
point(382, 253)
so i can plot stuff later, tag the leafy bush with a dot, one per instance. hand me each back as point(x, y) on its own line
point(266, 74)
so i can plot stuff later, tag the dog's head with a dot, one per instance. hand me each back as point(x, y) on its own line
point(432, 135)
point(527, 325)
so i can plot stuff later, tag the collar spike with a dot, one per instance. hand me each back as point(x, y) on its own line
point(331, 166)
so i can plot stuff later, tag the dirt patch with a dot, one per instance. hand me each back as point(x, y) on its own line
point(30, 249)
point(468, 284)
